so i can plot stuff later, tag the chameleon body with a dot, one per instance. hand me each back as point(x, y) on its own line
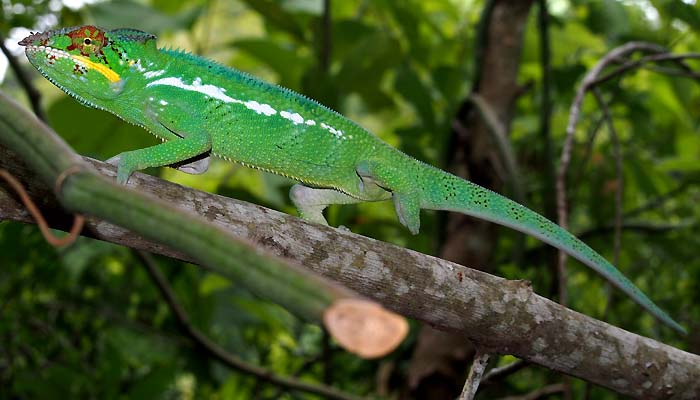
point(200, 108)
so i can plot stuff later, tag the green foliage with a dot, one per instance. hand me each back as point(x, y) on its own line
point(87, 322)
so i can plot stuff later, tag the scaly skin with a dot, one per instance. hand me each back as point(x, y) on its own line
point(198, 107)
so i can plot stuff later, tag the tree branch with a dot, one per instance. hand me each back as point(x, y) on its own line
point(503, 317)
point(479, 364)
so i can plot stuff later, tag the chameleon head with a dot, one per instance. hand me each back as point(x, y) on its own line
point(88, 62)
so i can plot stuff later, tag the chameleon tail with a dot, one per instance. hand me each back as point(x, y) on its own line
point(443, 191)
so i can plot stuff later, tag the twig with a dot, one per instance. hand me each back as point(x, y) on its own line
point(589, 80)
point(52, 239)
point(24, 80)
point(659, 200)
point(499, 373)
point(629, 65)
point(481, 359)
point(219, 353)
point(673, 72)
point(639, 227)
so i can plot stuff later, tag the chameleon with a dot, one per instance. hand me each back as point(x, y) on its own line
point(200, 108)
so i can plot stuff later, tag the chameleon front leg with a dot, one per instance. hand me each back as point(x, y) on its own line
point(185, 140)
point(310, 202)
point(166, 153)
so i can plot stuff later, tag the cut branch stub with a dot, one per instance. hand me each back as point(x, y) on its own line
point(364, 327)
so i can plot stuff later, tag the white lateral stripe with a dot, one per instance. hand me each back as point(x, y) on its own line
point(336, 132)
point(153, 74)
point(259, 108)
point(218, 93)
point(196, 86)
point(296, 118)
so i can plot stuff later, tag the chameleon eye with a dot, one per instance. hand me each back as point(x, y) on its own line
point(87, 41)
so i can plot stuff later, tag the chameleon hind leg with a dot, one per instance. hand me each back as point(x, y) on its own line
point(310, 202)
point(406, 199)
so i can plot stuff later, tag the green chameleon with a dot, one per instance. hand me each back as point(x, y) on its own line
point(199, 108)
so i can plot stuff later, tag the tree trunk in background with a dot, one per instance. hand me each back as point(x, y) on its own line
point(440, 361)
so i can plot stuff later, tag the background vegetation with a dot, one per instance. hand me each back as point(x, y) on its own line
point(87, 321)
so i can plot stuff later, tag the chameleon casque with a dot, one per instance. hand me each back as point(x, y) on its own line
point(199, 108)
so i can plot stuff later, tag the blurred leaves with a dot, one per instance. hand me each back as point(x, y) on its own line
point(95, 133)
point(131, 14)
point(86, 321)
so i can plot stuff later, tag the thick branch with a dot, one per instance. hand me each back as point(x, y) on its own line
point(502, 316)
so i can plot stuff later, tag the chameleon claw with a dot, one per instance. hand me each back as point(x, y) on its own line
point(123, 173)
point(123, 176)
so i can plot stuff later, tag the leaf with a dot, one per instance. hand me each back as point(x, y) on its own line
point(312, 7)
point(364, 66)
point(282, 59)
point(680, 165)
point(411, 87)
point(277, 16)
point(154, 383)
point(127, 13)
point(683, 11)
point(212, 283)
point(94, 132)
point(138, 349)
point(610, 17)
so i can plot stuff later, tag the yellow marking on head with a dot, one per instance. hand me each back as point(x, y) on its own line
point(101, 68)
